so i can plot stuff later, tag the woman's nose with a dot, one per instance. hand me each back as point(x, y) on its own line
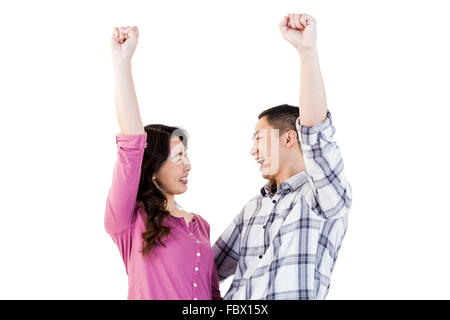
point(187, 164)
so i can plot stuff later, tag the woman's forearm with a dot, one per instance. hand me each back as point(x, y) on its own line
point(127, 107)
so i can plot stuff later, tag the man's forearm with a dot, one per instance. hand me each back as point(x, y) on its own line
point(126, 101)
point(313, 101)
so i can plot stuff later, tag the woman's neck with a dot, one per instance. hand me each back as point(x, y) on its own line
point(171, 206)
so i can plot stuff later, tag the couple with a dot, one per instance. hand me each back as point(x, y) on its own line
point(284, 242)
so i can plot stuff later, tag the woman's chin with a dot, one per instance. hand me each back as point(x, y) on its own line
point(181, 190)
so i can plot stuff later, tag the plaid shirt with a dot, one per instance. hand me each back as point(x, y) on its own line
point(285, 245)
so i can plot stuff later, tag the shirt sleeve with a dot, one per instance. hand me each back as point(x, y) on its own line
point(215, 287)
point(121, 200)
point(332, 196)
point(226, 249)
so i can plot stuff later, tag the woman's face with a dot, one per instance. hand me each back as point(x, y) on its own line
point(172, 177)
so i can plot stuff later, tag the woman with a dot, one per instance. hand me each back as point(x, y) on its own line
point(166, 251)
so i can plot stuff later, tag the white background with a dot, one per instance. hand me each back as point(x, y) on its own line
point(212, 67)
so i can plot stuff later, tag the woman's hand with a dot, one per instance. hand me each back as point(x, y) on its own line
point(123, 43)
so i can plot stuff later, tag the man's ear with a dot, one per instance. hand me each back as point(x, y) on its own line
point(291, 138)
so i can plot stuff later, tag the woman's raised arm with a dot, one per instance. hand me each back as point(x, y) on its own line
point(123, 45)
point(131, 141)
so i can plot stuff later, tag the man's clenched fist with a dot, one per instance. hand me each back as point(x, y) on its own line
point(299, 30)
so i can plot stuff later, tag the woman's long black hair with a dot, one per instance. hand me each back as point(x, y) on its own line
point(149, 195)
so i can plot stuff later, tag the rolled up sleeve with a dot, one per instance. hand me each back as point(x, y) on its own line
point(226, 248)
point(325, 168)
point(121, 200)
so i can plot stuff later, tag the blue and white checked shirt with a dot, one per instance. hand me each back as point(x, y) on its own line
point(285, 245)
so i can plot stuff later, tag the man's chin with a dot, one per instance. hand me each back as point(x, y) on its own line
point(267, 176)
point(268, 172)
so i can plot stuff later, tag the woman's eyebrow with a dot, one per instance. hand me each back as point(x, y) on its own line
point(176, 153)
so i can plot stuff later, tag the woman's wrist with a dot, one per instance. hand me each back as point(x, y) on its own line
point(121, 62)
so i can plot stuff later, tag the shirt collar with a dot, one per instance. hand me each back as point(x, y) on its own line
point(290, 185)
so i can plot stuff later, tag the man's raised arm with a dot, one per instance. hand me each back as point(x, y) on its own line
point(300, 31)
point(332, 196)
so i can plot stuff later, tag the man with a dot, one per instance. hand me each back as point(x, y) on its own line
point(285, 241)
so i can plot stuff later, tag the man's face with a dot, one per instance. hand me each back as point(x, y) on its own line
point(265, 148)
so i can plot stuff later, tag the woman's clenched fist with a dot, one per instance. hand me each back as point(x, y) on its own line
point(123, 42)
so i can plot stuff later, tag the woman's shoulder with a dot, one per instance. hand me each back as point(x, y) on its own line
point(202, 223)
point(139, 213)
point(200, 219)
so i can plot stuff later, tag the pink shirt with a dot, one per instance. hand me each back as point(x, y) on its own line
point(182, 270)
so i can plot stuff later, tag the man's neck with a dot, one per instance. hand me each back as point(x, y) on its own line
point(287, 172)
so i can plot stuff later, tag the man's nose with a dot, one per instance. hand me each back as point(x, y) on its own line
point(253, 150)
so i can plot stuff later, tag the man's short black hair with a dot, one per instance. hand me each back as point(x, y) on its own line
point(281, 117)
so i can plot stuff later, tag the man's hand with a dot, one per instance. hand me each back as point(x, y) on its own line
point(300, 31)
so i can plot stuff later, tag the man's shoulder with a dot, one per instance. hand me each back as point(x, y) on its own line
point(254, 200)
point(258, 197)
point(251, 205)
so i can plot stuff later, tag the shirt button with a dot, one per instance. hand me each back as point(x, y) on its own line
point(196, 268)
point(198, 254)
point(264, 227)
point(260, 256)
point(195, 285)
point(274, 201)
